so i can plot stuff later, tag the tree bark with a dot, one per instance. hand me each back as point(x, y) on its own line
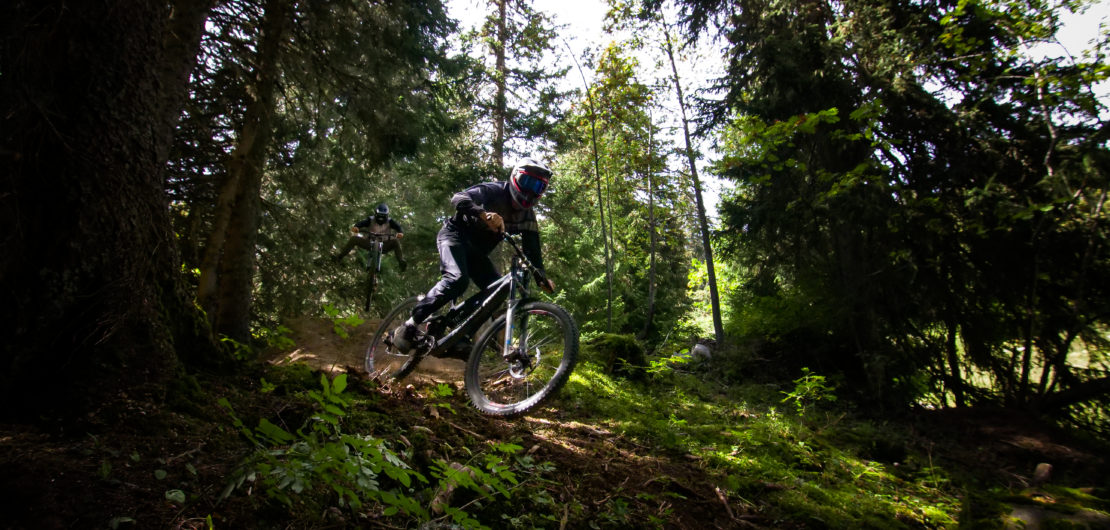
point(501, 77)
point(95, 305)
point(955, 380)
point(227, 273)
point(649, 319)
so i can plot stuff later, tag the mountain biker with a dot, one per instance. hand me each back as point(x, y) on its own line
point(379, 223)
point(482, 214)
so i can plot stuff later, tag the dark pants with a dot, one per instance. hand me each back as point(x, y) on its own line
point(459, 263)
point(389, 245)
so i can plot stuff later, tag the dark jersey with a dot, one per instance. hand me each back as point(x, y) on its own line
point(379, 228)
point(474, 201)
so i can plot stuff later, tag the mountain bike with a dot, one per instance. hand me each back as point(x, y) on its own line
point(374, 263)
point(518, 359)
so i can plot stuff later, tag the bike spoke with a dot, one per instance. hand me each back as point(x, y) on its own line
point(509, 386)
point(383, 360)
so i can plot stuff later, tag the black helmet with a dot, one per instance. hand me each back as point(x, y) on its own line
point(528, 181)
point(381, 214)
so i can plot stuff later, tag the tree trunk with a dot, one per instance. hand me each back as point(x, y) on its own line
point(501, 77)
point(703, 223)
point(227, 273)
point(95, 305)
point(600, 202)
point(955, 380)
point(649, 319)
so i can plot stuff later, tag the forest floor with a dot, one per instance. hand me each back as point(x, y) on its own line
point(136, 465)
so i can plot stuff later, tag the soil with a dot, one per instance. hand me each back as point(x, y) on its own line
point(130, 464)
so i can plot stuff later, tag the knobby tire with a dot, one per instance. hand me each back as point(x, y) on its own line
point(498, 388)
point(383, 361)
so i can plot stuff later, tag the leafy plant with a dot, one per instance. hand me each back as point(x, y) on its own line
point(438, 395)
point(279, 338)
point(239, 351)
point(487, 474)
point(320, 455)
point(341, 325)
point(809, 389)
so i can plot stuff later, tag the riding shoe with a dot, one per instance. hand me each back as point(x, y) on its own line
point(405, 336)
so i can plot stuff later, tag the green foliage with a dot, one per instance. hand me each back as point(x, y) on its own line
point(239, 351)
point(646, 208)
point(514, 81)
point(840, 471)
point(620, 354)
point(916, 197)
point(362, 85)
point(277, 338)
point(356, 468)
point(341, 325)
point(809, 390)
point(438, 395)
point(321, 459)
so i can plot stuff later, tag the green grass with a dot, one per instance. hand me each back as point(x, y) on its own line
point(806, 469)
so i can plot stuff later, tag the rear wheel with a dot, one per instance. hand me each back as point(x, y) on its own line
point(385, 361)
point(543, 351)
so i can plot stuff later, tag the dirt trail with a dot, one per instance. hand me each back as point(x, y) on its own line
point(592, 463)
point(319, 346)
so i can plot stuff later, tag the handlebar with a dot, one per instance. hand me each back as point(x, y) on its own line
point(512, 241)
point(371, 235)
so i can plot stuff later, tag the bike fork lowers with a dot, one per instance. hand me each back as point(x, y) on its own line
point(507, 347)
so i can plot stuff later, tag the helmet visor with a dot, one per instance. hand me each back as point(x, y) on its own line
point(530, 184)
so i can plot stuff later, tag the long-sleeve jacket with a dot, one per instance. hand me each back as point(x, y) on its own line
point(379, 228)
point(470, 205)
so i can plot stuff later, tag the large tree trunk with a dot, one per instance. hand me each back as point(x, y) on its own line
point(227, 272)
point(94, 303)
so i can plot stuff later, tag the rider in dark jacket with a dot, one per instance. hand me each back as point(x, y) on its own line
point(482, 213)
point(378, 223)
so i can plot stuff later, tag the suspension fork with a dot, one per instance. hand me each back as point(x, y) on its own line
point(511, 307)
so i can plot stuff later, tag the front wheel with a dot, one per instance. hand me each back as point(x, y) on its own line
point(371, 283)
point(542, 353)
point(383, 359)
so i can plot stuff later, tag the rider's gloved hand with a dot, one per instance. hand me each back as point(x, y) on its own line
point(547, 285)
point(354, 229)
point(494, 222)
point(400, 235)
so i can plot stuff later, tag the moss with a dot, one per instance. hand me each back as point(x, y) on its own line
point(621, 355)
point(184, 394)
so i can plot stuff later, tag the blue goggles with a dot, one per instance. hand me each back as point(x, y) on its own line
point(532, 184)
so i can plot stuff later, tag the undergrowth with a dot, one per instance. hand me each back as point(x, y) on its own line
point(785, 456)
point(805, 464)
point(325, 467)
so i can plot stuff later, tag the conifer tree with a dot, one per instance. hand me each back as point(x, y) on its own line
point(518, 99)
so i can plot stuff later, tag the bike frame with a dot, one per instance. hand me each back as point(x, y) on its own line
point(375, 268)
point(510, 288)
point(376, 254)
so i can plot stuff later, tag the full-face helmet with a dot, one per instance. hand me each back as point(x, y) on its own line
point(528, 181)
point(381, 213)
